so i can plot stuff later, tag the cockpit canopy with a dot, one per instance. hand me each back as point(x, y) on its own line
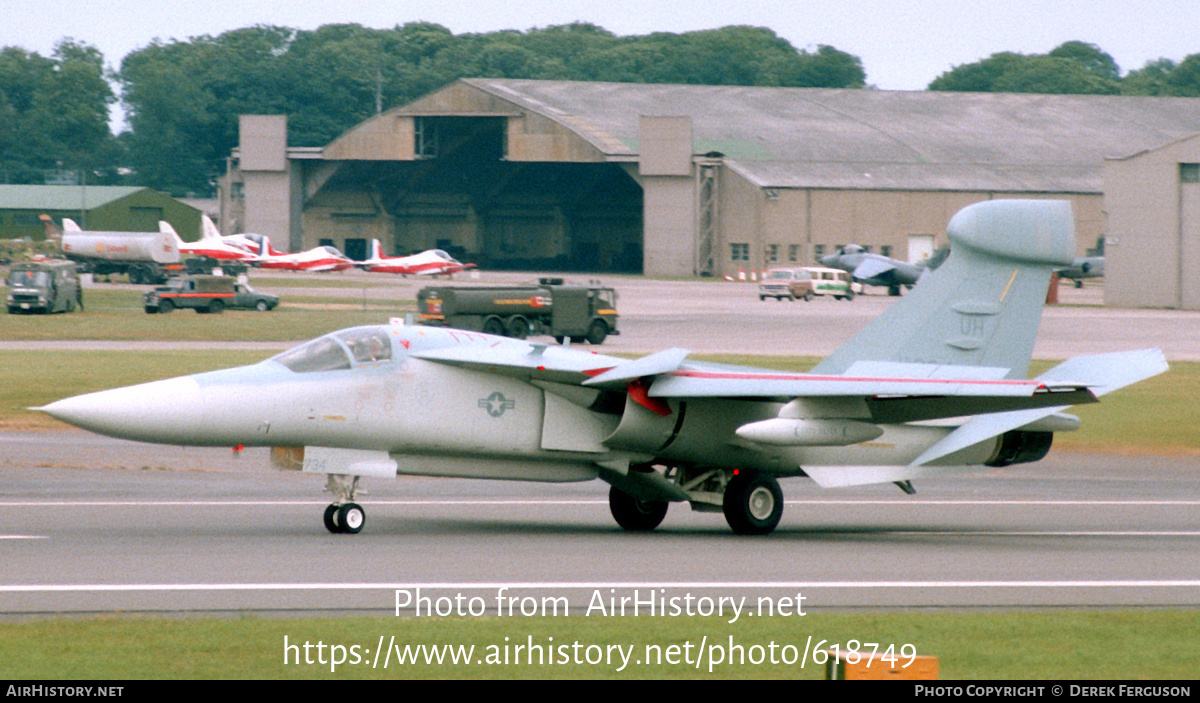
point(357, 346)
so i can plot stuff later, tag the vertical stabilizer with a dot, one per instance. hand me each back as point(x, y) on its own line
point(53, 234)
point(983, 305)
point(208, 230)
point(165, 227)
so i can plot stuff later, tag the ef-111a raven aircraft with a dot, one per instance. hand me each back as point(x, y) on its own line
point(936, 385)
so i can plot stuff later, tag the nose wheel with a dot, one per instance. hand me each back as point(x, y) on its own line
point(345, 518)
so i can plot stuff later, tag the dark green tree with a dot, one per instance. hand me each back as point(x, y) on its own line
point(1072, 68)
point(1151, 79)
point(53, 112)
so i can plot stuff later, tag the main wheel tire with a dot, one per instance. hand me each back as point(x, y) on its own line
point(753, 504)
point(350, 518)
point(331, 522)
point(493, 325)
point(597, 332)
point(633, 514)
point(165, 306)
point(262, 306)
point(216, 307)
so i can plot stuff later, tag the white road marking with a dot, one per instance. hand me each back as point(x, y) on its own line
point(898, 502)
point(587, 585)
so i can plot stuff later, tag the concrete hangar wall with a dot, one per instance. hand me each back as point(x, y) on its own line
point(684, 180)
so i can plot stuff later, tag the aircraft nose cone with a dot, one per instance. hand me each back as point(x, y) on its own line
point(167, 411)
point(828, 260)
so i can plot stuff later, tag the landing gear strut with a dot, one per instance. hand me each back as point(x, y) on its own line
point(344, 515)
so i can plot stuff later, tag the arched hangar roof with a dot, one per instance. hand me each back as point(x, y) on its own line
point(813, 138)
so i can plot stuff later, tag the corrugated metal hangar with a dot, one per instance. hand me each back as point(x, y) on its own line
point(113, 208)
point(683, 180)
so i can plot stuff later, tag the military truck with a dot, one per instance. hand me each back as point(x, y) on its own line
point(206, 294)
point(46, 286)
point(578, 313)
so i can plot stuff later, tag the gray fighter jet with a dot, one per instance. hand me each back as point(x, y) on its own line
point(936, 385)
point(1083, 267)
point(880, 270)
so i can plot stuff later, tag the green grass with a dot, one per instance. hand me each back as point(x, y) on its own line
point(117, 315)
point(1092, 645)
point(34, 378)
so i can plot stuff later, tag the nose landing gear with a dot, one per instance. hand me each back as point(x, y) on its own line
point(344, 515)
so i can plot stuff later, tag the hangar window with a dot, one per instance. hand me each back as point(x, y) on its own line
point(793, 253)
point(739, 251)
point(478, 138)
point(772, 253)
point(1189, 173)
point(425, 133)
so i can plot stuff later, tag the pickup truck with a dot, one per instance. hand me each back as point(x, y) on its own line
point(206, 294)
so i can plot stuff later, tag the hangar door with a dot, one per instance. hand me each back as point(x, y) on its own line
point(462, 194)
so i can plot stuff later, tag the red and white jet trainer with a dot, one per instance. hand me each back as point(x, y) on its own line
point(250, 242)
point(210, 243)
point(324, 258)
point(431, 262)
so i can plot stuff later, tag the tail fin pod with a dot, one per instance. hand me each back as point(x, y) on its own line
point(983, 305)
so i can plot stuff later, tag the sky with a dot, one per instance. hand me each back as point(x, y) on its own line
point(903, 44)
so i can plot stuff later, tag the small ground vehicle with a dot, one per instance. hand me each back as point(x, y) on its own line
point(206, 294)
point(46, 286)
point(578, 313)
point(808, 282)
point(777, 284)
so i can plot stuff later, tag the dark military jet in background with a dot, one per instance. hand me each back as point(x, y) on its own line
point(879, 270)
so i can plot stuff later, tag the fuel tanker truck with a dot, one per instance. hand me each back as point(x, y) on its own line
point(578, 313)
point(146, 257)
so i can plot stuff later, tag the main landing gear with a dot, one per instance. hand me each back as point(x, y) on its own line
point(633, 514)
point(344, 515)
point(752, 502)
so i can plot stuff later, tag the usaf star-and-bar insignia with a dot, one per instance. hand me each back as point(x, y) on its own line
point(495, 404)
